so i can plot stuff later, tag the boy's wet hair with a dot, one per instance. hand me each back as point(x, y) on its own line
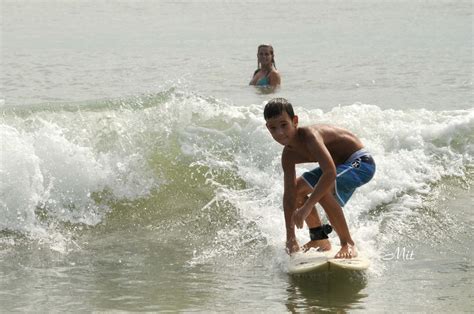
point(276, 107)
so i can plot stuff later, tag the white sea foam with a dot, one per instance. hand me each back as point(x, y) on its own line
point(56, 162)
point(21, 185)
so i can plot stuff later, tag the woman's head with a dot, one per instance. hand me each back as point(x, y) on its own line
point(265, 55)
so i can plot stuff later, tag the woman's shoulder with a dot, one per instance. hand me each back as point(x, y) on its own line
point(274, 75)
point(274, 71)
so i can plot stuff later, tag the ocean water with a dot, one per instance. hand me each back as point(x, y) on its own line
point(137, 173)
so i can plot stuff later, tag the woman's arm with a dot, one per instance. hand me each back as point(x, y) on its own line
point(274, 78)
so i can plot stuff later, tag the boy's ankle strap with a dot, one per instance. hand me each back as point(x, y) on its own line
point(320, 233)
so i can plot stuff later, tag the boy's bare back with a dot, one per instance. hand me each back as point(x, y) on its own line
point(339, 142)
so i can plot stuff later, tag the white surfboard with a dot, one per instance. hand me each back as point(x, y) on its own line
point(356, 263)
point(307, 262)
point(314, 261)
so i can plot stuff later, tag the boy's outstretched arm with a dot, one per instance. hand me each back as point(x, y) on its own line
point(289, 201)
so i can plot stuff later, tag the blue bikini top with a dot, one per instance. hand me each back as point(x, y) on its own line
point(264, 81)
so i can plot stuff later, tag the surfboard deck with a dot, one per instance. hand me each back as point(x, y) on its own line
point(356, 263)
point(314, 261)
point(306, 262)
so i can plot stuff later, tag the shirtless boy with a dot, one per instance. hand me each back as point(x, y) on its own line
point(344, 165)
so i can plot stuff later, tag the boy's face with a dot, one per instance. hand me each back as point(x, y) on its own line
point(282, 128)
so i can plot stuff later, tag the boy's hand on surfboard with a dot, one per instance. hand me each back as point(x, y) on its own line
point(292, 246)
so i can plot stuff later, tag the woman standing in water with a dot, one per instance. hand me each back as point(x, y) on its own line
point(266, 73)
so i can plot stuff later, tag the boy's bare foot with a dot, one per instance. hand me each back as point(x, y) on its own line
point(347, 251)
point(322, 245)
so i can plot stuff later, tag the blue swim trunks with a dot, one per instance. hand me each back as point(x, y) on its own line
point(356, 171)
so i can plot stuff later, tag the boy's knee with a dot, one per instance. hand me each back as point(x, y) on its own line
point(300, 200)
point(328, 201)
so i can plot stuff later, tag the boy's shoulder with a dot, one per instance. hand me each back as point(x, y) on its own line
point(308, 130)
point(307, 136)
